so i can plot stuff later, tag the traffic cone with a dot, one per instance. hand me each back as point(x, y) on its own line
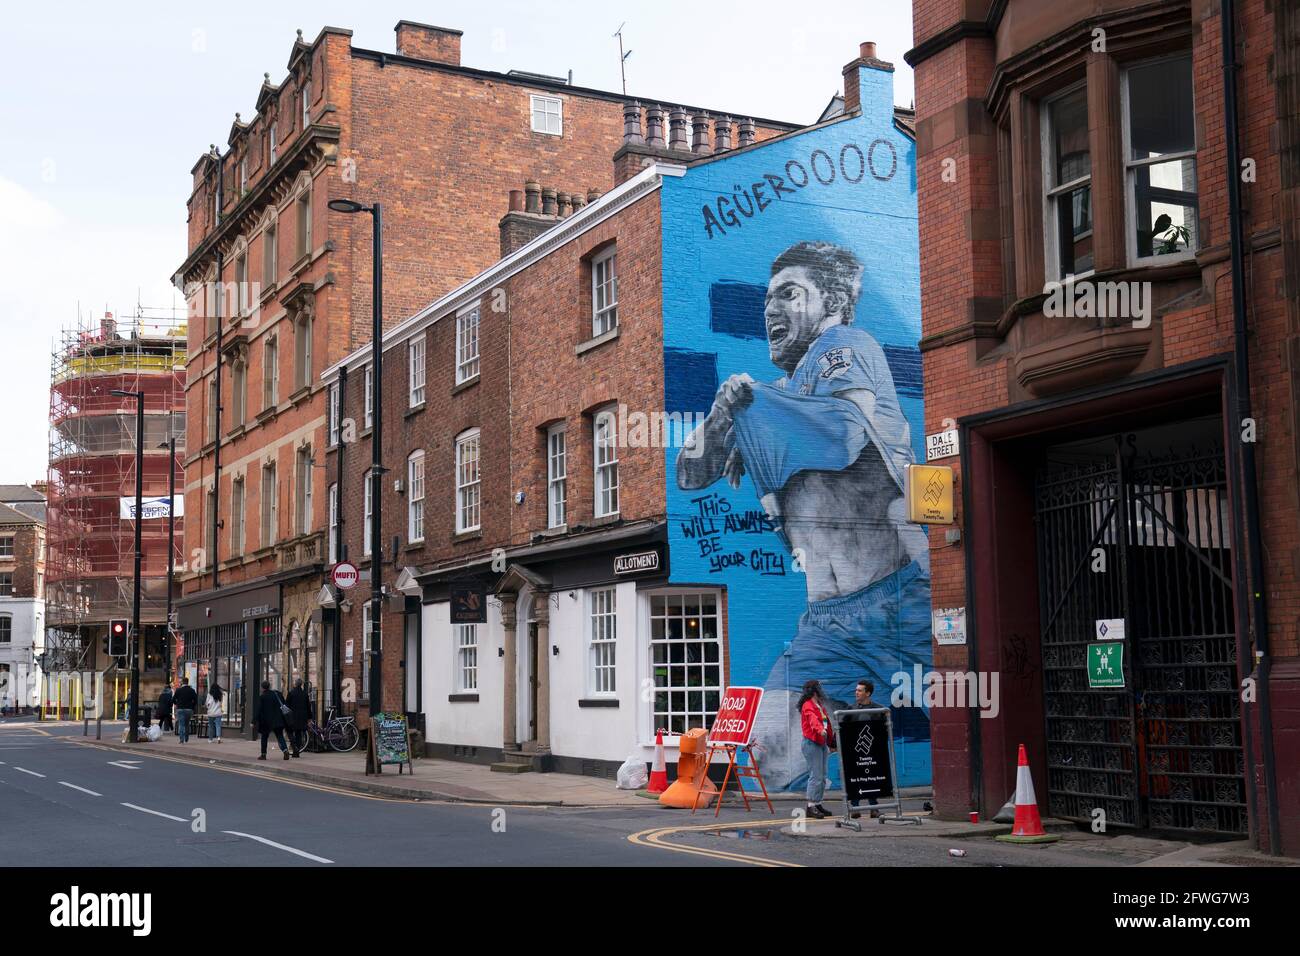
point(659, 770)
point(1028, 826)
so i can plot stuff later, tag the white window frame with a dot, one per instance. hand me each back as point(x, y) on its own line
point(415, 497)
point(368, 508)
point(270, 505)
point(243, 175)
point(469, 482)
point(604, 278)
point(6, 545)
point(368, 400)
point(6, 629)
point(238, 516)
point(467, 344)
point(666, 685)
point(306, 104)
point(1132, 165)
point(303, 332)
point(334, 408)
point(1051, 193)
point(604, 458)
point(332, 544)
point(271, 372)
point(303, 498)
point(602, 642)
point(270, 255)
point(557, 477)
point(540, 105)
point(238, 392)
point(274, 145)
point(303, 209)
point(366, 640)
point(415, 357)
point(465, 644)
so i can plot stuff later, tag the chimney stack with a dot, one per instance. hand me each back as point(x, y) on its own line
point(854, 76)
point(532, 211)
point(421, 41)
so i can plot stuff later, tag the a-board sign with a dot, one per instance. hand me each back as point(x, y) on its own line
point(865, 744)
point(734, 723)
point(390, 741)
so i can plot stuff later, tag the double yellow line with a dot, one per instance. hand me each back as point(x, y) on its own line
point(657, 837)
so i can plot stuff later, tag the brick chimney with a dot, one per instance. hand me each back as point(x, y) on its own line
point(526, 220)
point(870, 76)
point(424, 42)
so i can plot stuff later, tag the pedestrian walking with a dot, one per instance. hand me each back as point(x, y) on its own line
point(818, 737)
point(185, 700)
point(862, 699)
point(300, 703)
point(216, 710)
point(271, 719)
point(165, 709)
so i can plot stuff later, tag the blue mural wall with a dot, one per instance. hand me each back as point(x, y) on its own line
point(791, 319)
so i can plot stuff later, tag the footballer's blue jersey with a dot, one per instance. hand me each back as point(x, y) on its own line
point(799, 423)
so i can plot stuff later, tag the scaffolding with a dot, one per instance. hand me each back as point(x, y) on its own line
point(90, 569)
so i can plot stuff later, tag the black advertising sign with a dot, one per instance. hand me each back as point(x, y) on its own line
point(390, 742)
point(639, 563)
point(865, 745)
point(468, 606)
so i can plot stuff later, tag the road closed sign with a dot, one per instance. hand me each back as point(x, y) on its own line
point(345, 575)
point(734, 724)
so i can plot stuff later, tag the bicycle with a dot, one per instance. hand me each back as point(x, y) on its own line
point(339, 733)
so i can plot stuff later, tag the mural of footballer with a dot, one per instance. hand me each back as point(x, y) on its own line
point(825, 446)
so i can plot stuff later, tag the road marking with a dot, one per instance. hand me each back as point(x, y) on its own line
point(82, 789)
point(655, 837)
point(124, 764)
point(156, 813)
point(279, 846)
point(32, 772)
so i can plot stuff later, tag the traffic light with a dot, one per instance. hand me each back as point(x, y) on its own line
point(117, 632)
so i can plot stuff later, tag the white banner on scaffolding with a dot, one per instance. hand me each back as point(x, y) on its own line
point(152, 507)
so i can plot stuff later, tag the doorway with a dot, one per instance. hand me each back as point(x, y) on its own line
point(1134, 542)
point(532, 681)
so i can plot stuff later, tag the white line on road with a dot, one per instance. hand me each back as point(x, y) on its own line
point(156, 813)
point(279, 846)
point(124, 764)
point(32, 772)
point(82, 789)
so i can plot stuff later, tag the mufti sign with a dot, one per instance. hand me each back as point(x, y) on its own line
point(345, 576)
point(734, 724)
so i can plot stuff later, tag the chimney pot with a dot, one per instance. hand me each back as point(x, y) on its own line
point(867, 50)
point(677, 130)
point(700, 134)
point(654, 127)
point(578, 200)
point(548, 201)
point(632, 123)
point(533, 197)
point(563, 204)
point(593, 195)
point(722, 135)
point(748, 134)
point(516, 200)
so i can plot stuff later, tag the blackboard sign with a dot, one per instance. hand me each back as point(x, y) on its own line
point(865, 751)
point(390, 742)
point(468, 606)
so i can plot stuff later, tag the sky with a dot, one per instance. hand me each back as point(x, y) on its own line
point(105, 107)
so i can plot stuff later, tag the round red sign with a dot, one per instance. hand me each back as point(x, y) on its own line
point(345, 575)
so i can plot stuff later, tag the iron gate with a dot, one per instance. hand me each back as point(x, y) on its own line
point(1146, 539)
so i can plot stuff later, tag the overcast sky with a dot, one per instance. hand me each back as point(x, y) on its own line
point(104, 112)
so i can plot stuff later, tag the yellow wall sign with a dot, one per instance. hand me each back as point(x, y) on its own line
point(929, 494)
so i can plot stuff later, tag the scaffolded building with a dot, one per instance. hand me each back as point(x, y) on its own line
point(92, 477)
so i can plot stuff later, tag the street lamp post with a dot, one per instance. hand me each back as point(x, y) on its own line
point(132, 727)
point(376, 445)
point(170, 445)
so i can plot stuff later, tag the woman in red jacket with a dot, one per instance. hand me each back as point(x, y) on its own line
point(818, 737)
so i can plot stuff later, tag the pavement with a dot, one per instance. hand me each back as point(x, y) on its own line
point(105, 802)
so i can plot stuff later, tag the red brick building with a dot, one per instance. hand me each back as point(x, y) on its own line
point(280, 288)
point(1105, 249)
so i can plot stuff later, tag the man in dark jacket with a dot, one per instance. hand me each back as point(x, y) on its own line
point(270, 719)
point(165, 709)
point(300, 703)
point(185, 700)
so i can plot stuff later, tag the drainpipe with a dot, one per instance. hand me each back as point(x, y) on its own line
point(1250, 481)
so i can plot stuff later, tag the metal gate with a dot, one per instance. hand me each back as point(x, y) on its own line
point(1146, 539)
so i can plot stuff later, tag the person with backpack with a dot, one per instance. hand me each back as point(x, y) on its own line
point(271, 714)
point(216, 705)
point(818, 738)
point(300, 703)
point(185, 700)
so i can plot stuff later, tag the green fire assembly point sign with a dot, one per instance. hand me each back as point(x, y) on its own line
point(1106, 664)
